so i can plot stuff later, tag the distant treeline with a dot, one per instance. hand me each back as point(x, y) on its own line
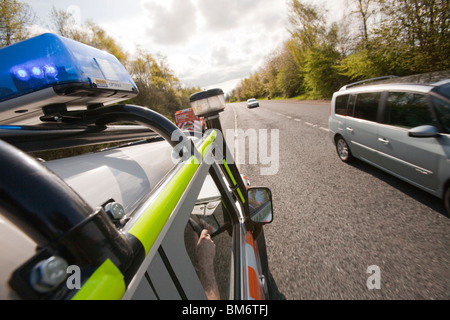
point(374, 38)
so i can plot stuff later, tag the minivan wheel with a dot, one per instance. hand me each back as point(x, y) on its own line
point(447, 200)
point(343, 150)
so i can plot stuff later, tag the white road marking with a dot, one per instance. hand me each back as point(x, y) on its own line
point(236, 139)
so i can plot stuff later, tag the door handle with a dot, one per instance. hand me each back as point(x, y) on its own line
point(350, 129)
point(383, 141)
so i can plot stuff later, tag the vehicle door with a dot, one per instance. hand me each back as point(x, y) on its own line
point(361, 128)
point(442, 109)
point(413, 159)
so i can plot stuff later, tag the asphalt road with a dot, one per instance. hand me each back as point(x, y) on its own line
point(333, 220)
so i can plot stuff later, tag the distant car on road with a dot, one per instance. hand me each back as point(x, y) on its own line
point(252, 103)
point(401, 127)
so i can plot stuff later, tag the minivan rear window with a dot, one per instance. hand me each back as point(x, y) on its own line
point(341, 105)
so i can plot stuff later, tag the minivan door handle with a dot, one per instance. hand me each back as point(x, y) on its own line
point(383, 141)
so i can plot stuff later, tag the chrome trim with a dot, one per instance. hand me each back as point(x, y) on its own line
point(422, 170)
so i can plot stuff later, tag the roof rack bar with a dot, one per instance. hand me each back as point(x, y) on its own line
point(368, 80)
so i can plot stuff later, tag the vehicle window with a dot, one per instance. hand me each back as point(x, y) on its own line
point(444, 90)
point(351, 105)
point(443, 112)
point(341, 105)
point(407, 110)
point(213, 217)
point(366, 106)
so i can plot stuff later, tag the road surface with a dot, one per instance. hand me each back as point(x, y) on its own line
point(335, 223)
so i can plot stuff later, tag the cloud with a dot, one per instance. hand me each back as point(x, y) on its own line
point(173, 24)
point(220, 56)
point(232, 14)
point(207, 42)
point(222, 15)
point(207, 78)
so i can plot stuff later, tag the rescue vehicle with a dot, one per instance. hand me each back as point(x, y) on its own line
point(187, 120)
point(122, 222)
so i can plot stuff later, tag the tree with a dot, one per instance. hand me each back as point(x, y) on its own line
point(101, 40)
point(269, 74)
point(321, 76)
point(413, 35)
point(365, 11)
point(62, 22)
point(307, 24)
point(159, 88)
point(290, 76)
point(360, 65)
point(15, 17)
point(91, 34)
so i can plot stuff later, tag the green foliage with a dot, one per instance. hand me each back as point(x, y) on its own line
point(414, 35)
point(321, 75)
point(15, 16)
point(359, 65)
point(159, 89)
point(395, 37)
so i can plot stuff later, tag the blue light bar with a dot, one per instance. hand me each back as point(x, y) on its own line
point(52, 61)
point(10, 128)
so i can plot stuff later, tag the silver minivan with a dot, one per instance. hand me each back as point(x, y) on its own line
point(401, 128)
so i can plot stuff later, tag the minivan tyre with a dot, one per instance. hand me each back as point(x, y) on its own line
point(343, 150)
point(447, 200)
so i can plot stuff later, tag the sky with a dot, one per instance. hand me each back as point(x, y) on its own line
point(207, 43)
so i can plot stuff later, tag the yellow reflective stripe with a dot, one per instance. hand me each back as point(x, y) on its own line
point(233, 180)
point(107, 283)
point(206, 146)
point(150, 225)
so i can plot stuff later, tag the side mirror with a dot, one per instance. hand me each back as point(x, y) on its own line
point(424, 132)
point(260, 205)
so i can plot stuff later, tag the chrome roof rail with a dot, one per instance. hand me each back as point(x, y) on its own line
point(366, 81)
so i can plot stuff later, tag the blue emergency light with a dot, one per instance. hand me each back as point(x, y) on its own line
point(54, 69)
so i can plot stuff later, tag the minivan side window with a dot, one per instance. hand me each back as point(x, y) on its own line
point(407, 110)
point(366, 106)
point(443, 112)
point(341, 105)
